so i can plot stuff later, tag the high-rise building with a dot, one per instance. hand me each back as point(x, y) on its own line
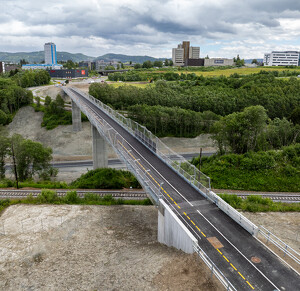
point(183, 53)
point(178, 56)
point(50, 53)
point(194, 52)
point(285, 58)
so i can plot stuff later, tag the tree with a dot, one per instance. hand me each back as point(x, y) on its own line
point(254, 61)
point(240, 130)
point(137, 66)
point(158, 64)
point(147, 64)
point(238, 61)
point(4, 150)
point(29, 157)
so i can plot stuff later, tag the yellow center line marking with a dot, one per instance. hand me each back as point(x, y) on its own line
point(226, 260)
point(193, 222)
point(179, 208)
point(250, 285)
point(233, 267)
point(241, 275)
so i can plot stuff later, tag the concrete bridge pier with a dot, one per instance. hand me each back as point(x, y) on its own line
point(172, 232)
point(100, 159)
point(76, 117)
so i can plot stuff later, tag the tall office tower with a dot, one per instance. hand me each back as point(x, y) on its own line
point(177, 56)
point(194, 52)
point(50, 53)
point(186, 47)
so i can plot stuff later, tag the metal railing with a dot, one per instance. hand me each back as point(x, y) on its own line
point(185, 169)
point(286, 249)
point(213, 268)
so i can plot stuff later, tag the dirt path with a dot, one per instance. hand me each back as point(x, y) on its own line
point(92, 248)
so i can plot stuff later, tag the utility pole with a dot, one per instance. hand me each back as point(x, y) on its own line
point(200, 158)
point(14, 163)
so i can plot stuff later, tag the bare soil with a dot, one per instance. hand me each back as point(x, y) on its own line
point(73, 247)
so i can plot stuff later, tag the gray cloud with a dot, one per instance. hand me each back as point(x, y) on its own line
point(152, 24)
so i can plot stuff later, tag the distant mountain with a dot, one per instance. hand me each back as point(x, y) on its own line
point(249, 61)
point(38, 57)
point(125, 58)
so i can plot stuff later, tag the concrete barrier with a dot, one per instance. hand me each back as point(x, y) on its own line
point(172, 232)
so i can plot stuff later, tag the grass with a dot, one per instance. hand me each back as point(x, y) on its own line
point(119, 84)
point(51, 197)
point(256, 203)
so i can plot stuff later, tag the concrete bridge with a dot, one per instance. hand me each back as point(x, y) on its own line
point(190, 216)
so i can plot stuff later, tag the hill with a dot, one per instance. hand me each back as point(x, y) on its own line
point(38, 57)
point(126, 58)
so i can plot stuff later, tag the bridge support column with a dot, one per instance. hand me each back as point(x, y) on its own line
point(100, 159)
point(76, 117)
point(172, 232)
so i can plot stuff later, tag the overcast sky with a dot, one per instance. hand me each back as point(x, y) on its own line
point(222, 28)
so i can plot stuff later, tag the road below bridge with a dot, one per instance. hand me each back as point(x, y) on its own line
point(229, 245)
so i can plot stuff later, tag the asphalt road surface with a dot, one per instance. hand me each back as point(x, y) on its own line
point(229, 246)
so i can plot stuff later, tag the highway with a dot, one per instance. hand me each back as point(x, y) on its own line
point(229, 245)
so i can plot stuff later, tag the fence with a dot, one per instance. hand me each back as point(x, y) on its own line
point(185, 169)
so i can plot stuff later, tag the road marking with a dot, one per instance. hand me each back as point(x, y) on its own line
point(219, 251)
point(250, 285)
point(241, 275)
point(238, 251)
point(233, 267)
point(225, 258)
point(203, 234)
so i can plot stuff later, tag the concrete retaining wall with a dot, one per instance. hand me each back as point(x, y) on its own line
point(172, 232)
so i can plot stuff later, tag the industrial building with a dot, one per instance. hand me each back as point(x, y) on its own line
point(215, 62)
point(282, 58)
point(68, 73)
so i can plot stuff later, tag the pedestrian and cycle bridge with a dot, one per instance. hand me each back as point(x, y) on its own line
point(191, 217)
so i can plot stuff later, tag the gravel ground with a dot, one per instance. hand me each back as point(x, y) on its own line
point(74, 247)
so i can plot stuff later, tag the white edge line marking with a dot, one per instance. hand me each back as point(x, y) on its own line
point(238, 250)
point(150, 164)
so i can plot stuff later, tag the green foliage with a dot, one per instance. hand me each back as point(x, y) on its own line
point(106, 178)
point(71, 197)
point(30, 78)
point(256, 203)
point(31, 157)
point(48, 196)
point(258, 171)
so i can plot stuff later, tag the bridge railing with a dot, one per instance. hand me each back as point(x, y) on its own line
point(184, 168)
point(188, 171)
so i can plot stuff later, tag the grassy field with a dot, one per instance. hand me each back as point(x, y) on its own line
point(240, 71)
point(135, 84)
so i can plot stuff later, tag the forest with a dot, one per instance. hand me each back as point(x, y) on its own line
point(12, 93)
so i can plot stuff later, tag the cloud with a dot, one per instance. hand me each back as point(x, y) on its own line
point(140, 26)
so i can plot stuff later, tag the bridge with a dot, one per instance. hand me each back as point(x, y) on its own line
point(190, 216)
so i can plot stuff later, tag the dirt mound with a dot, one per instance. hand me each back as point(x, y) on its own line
point(71, 247)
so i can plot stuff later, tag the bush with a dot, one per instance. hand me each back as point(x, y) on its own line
point(106, 178)
point(48, 196)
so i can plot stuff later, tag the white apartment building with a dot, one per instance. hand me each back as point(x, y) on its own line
point(50, 53)
point(194, 52)
point(178, 56)
point(285, 58)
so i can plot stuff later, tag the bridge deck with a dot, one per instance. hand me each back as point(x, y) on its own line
point(228, 245)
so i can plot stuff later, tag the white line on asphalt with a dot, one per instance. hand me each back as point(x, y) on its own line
point(237, 250)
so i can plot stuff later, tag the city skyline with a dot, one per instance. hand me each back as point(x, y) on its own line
point(220, 28)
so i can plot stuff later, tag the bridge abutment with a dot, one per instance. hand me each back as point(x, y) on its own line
point(76, 117)
point(100, 159)
point(172, 232)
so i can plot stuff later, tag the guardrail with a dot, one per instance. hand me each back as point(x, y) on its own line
point(186, 170)
point(287, 250)
point(213, 268)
